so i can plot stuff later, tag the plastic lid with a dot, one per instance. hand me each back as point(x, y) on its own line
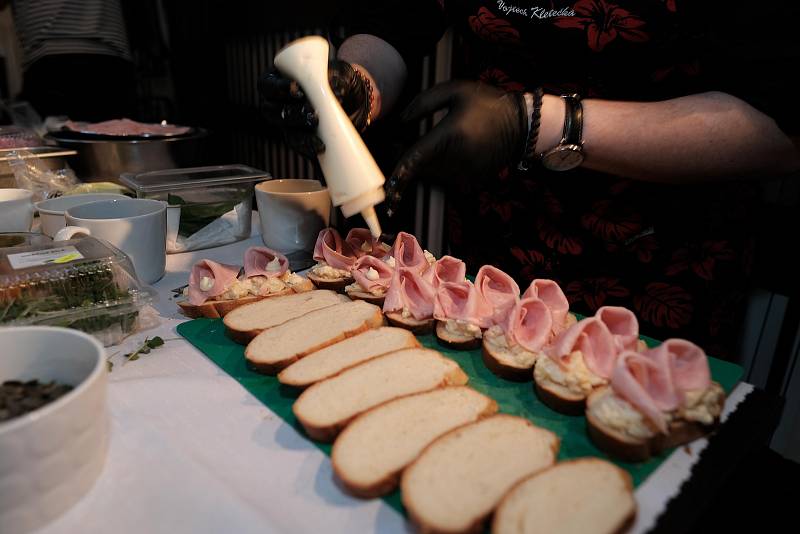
point(192, 177)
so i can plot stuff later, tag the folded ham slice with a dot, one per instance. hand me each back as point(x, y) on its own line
point(332, 250)
point(688, 363)
point(622, 324)
point(218, 277)
point(462, 301)
point(262, 261)
point(549, 292)
point(408, 290)
point(446, 269)
point(499, 289)
point(407, 253)
point(645, 381)
point(529, 324)
point(361, 273)
point(362, 243)
point(596, 343)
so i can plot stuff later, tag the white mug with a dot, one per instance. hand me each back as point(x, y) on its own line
point(16, 210)
point(136, 226)
point(51, 211)
point(292, 212)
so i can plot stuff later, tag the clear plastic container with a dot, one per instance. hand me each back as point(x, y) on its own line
point(85, 284)
point(207, 206)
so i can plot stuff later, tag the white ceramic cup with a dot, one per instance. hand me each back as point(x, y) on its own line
point(50, 457)
point(51, 211)
point(16, 210)
point(292, 212)
point(136, 226)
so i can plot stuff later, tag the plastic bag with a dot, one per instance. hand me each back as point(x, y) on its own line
point(31, 174)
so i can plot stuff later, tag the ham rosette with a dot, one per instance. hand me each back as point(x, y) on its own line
point(409, 291)
point(549, 292)
point(372, 274)
point(362, 243)
point(622, 324)
point(210, 279)
point(446, 269)
point(332, 250)
point(461, 301)
point(262, 261)
point(595, 342)
point(499, 290)
point(529, 324)
point(408, 254)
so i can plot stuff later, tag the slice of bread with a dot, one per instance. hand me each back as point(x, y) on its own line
point(458, 479)
point(277, 348)
point(370, 453)
point(215, 309)
point(325, 408)
point(360, 294)
point(623, 446)
point(246, 322)
point(455, 341)
point(334, 284)
point(505, 364)
point(424, 326)
point(335, 358)
point(556, 396)
point(573, 497)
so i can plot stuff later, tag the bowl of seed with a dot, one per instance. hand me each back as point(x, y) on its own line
point(53, 422)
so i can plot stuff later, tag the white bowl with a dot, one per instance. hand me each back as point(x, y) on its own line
point(51, 211)
point(49, 458)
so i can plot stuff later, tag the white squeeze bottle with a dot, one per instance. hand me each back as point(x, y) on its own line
point(354, 180)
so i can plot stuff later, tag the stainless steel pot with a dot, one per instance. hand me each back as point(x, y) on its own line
point(105, 158)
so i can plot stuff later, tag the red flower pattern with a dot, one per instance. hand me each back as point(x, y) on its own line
point(702, 261)
point(603, 23)
point(555, 239)
point(595, 291)
point(644, 247)
point(502, 206)
point(611, 225)
point(492, 28)
point(664, 305)
point(500, 79)
point(533, 262)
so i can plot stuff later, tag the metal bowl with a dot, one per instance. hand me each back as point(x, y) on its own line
point(105, 158)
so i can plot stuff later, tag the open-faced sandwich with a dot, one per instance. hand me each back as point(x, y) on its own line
point(335, 258)
point(656, 400)
point(581, 358)
point(372, 279)
point(406, 252)
point(512, 347)
point(462, 314)
point(216, 288)
point(409, 301)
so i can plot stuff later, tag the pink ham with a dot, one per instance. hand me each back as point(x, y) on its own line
point(549, 292)
point(362, 267)
point(407, 253)
point(688, 363)
point(446, 269)
point(499, 289)
point(462, 301)
point(356, 239)
point(256, 260)
point(592, 337)
point(530, 324)
point(622, 324)
point(645, 381)
point(222, 275)
point(332, 250)
point(409, 290)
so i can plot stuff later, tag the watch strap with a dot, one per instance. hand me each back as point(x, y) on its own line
point(573, 120)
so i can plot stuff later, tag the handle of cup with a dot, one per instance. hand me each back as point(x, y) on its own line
point(68, 232)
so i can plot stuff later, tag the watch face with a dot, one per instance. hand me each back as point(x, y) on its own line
point(563, 158)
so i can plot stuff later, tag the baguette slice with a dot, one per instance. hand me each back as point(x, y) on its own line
point(246, 322)
point(335, 358)
point(458, 480)
point(215, 309)
point(334, 284)
point(456, 341)
point(360, 294)
point(370, 453)
point(573, 497)
point(508, 365)
point(325, 408)
point(556, 396)
point(276, 348)
point(424, 326)
point(639, 449)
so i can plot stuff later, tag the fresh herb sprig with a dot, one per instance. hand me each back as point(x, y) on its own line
point(149, 344)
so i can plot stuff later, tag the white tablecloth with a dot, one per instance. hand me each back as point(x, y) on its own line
point(191, 451)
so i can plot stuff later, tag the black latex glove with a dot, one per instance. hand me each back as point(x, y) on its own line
point(484, 130)
point(286, 108)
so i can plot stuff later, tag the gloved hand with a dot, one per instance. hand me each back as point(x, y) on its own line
point(285, 107)
point(485, 130)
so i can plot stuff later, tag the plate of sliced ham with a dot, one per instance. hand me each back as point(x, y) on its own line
point(126, 128)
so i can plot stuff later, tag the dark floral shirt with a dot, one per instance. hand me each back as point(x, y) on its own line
point(678, 256)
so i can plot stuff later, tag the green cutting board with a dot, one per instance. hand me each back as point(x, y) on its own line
point(208, 335)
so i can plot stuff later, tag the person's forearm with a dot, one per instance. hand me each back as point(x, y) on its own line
point(703, 137)
point(381, 63)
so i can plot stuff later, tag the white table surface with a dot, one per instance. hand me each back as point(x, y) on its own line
point(191, 451)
